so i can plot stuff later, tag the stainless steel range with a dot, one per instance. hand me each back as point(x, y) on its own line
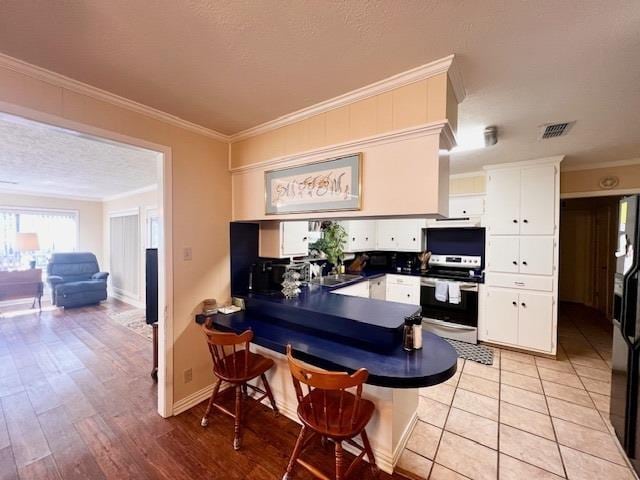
point(449, 296)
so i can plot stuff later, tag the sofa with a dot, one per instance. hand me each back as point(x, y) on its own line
point(76, 279)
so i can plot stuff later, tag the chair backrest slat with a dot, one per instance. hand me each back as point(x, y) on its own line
point(319, 401)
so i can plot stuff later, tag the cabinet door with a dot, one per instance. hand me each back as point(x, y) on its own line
point(295, 238)
point(503, 254)
point(378, 288)
point(410, 234)
point(503, 202)
point(403, 293)
point(353, 236)
point(368, 234)
point(537, 200)
point(501, 316)
point(466, 206)
point(535, 321)
point(536, 255)
point(387, 235)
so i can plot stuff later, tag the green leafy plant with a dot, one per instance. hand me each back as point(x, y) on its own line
point(332, 242)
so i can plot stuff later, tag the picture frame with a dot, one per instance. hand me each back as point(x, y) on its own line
point(331, 185)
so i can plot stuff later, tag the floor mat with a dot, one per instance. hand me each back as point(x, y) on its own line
point(134, 320)
point(469, 351)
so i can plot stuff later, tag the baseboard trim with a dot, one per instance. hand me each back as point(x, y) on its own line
point(127, 299)
point(195, 398)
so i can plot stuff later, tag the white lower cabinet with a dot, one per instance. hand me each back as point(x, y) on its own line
point(535, 321)
point(520, 319)
point(360, 289)
point(403, 289)
point(378, 288)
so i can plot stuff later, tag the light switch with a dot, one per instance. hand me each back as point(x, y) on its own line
point(187, 255)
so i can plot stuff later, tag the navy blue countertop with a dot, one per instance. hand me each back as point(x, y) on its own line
point(435, 363)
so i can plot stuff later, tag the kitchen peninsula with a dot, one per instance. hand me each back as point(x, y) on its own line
point(338, 332)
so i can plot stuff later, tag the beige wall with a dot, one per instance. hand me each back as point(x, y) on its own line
point(588, 180)
point(89, 217)
point(467, 185)
point(201, 206)
point(142, 202)
point(421, 102)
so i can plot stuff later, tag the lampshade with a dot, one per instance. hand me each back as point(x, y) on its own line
point(27, 242)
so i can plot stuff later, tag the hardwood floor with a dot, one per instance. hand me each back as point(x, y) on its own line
point(77, 402)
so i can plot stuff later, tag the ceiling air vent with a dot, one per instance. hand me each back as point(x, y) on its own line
point(552, 130)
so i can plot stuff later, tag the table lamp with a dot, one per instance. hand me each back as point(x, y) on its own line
point(28, 242)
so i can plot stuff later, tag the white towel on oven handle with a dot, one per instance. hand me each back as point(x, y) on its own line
point(454, 293)
point(442, 290)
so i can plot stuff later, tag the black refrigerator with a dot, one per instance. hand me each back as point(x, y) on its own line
point(626, 331)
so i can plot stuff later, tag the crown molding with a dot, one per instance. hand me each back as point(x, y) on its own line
point(537, 161)
point(433, 128)
point(62, 81)
point(148, 188)
point(594, 166)
point(422, 72)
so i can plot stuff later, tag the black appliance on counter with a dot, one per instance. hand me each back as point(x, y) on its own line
point(625, 357)
point(266, 277)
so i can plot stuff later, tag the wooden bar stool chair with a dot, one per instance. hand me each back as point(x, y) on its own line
point(331, 411)
point(236, 366)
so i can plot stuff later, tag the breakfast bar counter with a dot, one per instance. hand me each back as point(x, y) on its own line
point(343, 333)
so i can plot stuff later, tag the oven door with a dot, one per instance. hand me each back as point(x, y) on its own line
point(464, 313)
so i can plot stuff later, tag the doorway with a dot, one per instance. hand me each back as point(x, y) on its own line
point(161, 231)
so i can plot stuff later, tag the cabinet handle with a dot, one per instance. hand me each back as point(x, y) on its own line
point(393, 238)
point(515, 221)
point(464, 211)
point(515, 263)
point(353, 239)
point(366, 238)
point(408, 295)
point(523, 304)
point(520, 284)
point(525, 220)
point(524, 263)
point(304, 239)
point(414, 239)
point(515, 304)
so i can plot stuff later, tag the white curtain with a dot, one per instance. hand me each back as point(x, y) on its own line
point(124, 254)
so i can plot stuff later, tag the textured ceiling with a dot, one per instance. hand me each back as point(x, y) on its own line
point(233, 64)
point(49, 160)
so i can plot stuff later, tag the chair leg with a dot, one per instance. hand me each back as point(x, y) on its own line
point(237, 439)
point(245, 391)
point(295, 454)
point(339, 461)
point(267, 389)
point(367, 448)
point(205, 419)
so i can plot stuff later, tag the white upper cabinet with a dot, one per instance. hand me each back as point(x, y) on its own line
point(522, 201)
point(503, 201)
point(361, 235)
point(405, 235)
point(284, 239)
point(466, 206)
point(537, 200)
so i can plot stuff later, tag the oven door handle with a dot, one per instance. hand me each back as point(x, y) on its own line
point(467, 287)
point(448, 325)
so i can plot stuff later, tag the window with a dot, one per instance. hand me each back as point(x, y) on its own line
point(124, 254)
point(57, 231)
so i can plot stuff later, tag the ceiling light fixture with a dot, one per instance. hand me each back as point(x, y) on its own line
point(475, 138)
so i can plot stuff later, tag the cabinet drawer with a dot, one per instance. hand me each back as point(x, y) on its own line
point(403, 293)
point(526, 282)
point(403, 280)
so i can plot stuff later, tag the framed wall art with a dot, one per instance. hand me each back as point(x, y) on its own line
point(327, 186)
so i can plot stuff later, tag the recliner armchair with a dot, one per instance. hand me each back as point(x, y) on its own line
point(76, 280)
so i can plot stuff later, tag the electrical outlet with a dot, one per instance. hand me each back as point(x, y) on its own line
point(188, 375)
point(187, 254)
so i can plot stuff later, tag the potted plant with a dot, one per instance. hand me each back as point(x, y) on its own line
point(332, 242)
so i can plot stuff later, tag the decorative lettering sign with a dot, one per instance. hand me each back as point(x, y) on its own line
point(326, 186)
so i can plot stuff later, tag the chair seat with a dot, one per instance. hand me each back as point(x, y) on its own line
point(80, 287)
point(235, 368)
point(338, 425)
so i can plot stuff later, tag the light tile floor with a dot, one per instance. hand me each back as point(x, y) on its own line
point(524, 417)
